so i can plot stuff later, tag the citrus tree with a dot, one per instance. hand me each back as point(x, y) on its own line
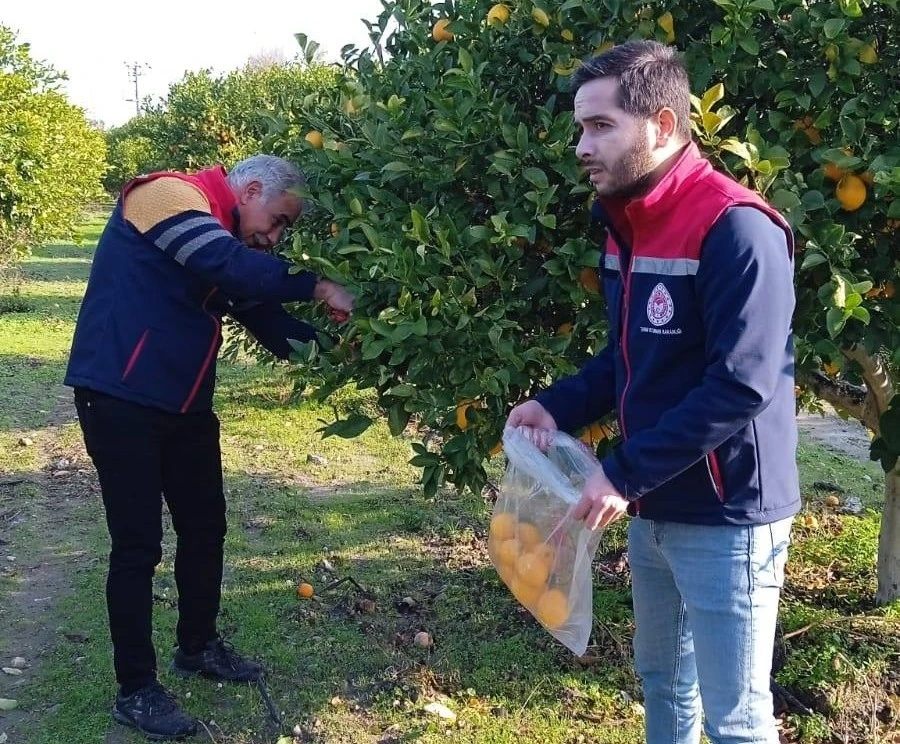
point(207, 119)
point(449, 197)
point(51, 159)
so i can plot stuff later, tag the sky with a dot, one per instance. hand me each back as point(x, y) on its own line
point(94, 41)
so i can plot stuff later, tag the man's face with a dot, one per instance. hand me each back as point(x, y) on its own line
point(614, 147)
point(263, 221)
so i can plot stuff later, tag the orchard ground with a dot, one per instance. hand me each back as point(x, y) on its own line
point(347, 517)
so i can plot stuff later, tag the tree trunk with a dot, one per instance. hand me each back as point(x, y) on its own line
point(889, 541)
point(867, 404)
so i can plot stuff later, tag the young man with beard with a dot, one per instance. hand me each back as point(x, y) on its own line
point(179, 251)
point(697, 274)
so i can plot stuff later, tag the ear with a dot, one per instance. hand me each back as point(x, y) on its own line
point(665, 125)
point(252, 190)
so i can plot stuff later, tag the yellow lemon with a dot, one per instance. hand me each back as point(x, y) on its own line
point(540, 17)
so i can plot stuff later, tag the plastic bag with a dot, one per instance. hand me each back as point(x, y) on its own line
point(541, 553)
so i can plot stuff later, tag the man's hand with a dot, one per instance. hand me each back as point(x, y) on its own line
point(537, 419)
point(338, 299)
point(601, 504)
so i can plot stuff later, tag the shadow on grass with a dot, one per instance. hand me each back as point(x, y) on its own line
point(30, 388)
point(385, 565)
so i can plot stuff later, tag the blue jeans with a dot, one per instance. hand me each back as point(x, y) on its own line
point(705, 606)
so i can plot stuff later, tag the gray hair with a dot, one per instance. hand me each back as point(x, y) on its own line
point(276, 175)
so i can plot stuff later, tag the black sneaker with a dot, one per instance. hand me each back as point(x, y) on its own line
point(154, 712)
point(217, 660)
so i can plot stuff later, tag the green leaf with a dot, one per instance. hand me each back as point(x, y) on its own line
point(763, 5)
point(835, 321)
point(465, 60)
point(536, 177)
point(396, 166)
point(398, 418)
point(423, 461)
point(811, 260)
point(850, 8)
point(784, 199)
point(548, 221)
point(348, 428)
point(738, 148)
point(833, 26)
point(861, 314)
point(750, 45)
point(404, 390)
point(812, 200)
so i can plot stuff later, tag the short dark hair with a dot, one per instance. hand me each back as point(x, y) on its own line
point(651, 77)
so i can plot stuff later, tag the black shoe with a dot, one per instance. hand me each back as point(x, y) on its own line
point(154, 712)
point(217, 660)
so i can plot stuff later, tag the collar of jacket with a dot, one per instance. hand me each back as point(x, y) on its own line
point(688, 168)
point(214, 182)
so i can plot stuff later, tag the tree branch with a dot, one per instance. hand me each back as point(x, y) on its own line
point(840, 394)
point(879, 387)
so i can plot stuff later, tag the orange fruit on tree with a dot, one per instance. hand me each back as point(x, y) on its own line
point(503, 526)
point(589, 280)
point(553, 609)
point(806, 126)
point(461, 421)
point(315, 139)
point(498, 15)
point(888, 290)
point(832, 172)
point(533, 569)
point(496, 449)
point(564, 330)
point(440, 32)
point(305, 591)
point(851, 193)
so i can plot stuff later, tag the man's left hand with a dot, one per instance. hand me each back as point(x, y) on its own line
point(601, 504)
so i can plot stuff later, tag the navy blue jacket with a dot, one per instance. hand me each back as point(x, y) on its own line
point(149, 328)
point(698, 282)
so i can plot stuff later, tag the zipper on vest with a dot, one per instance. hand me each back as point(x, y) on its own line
point(625, 260)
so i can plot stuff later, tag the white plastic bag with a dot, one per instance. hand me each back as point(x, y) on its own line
point(540, 552)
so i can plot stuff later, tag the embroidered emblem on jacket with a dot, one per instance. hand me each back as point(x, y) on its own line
point(660, 308)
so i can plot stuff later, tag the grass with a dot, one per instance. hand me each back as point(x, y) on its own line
point(342, 665)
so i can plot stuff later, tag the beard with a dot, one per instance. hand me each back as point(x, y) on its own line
point(631, 175)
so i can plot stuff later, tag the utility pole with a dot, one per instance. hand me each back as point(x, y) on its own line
point(135, 70)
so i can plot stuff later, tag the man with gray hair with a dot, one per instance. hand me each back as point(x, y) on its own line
point(179, 251)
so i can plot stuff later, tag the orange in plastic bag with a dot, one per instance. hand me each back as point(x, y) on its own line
point(540, 552)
